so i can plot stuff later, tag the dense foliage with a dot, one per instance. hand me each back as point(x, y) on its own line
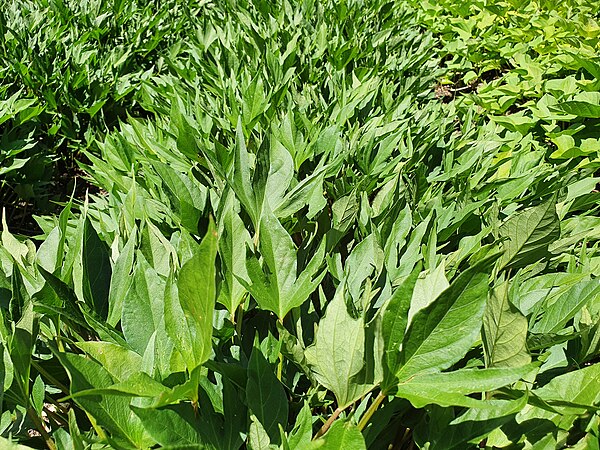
point(68, 72)
point(319, 224)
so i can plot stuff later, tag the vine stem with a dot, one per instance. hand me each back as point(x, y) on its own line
point(327, 424)
point(365, 419)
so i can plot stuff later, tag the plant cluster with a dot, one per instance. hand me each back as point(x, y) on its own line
point(68, 72)
point(305, 243)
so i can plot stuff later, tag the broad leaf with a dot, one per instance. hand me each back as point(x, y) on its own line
point(443, 332)
point(232, 252)
point(120, 280)
point(275, 284)
point(120, 362)
point(454, 388)
point(565, 307)
point(110, 411)
point(528, 234)
point(504, 331)
point(574, 392)
point(96, 270)
point(579, 108)
point(142, 307)
point(181, 426)
point(395, 319)
point(343, 436)
point(196, 287)
point(338, 354)
point(266, 396)
point(472, 426)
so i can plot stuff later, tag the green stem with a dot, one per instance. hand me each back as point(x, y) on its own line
point(405, 438)
point(365, 419)
point(99, 431)
point(280, 365)
point(59, 342)
point(240, 318)
point(399, 439)
point(50, 378)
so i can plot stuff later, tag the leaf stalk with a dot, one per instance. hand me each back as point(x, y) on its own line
point(329, 422)
point(374, 406)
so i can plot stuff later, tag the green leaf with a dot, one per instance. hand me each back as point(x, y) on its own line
point(187, 198)
point(196, 286)
point(308, 192)
point(38, 391)
point(6, 371)
point(338, 354)
point(580, 109)
point(232, 252)
point(156, 249)
point(121, 280)
point(427, 288)
point(504, 331)
point(139, 384)
point(343, 436)
point(16, 249)
point(443, 332)
point(266, 396)
point(301, 434)
point(565, 307)
point(186, 143)
point(142, 307)
point(119, 361)
point(235, 417)
point(176, 325)
point(69, 309)
point(515, 122)
point(281, 171)
point(276, 286)
point(178, 426)
point(574, 392)
point(241, 180)
point(96, 270)
point(183, 426)
point(258, 438)
point(528, 234)
point(9, 444)
point(453, 388)
point(472, 426)
point(399, 267)
point(365, 258)
point(47, 255)
point(111, 412)
point(21, 345)
point(395, 318)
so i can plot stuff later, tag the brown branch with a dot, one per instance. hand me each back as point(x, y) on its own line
point(329, 422)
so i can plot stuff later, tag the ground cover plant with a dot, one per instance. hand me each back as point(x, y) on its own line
point(337, 225)
point(68, 73)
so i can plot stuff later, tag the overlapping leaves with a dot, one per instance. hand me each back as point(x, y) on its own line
point(306, 247)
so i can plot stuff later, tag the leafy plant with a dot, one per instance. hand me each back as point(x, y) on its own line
point(303, 245)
